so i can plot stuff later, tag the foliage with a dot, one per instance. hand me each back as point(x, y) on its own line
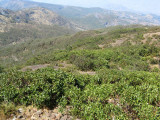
point(87, 60)
point(6, 109)
point(110, 94)
point(124, 87)
point(138, 95)
point(24, 32)
point(41, 88)
point(46, 46)
point(1, 69)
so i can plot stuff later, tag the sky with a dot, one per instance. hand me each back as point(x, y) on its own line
point(148, 6)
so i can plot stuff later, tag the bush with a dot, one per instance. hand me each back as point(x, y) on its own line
point(110, 94)
point(154, 61)
point(147, 50)
point(42, 88)
point(82, 62)
point(1, 69)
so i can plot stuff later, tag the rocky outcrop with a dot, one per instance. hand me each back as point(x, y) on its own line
point(31, 113)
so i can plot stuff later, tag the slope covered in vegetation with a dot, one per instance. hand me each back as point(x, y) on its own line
point(125, 83)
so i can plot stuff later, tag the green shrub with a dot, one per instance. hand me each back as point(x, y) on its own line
point(42, 88)
point(111, 94)
point(154, 61)
point(1, 69)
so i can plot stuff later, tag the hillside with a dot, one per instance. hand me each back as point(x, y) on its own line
point(21, 32)
point(30, 24)
point(110, 73)
point(34, 16)
point(88, 18)
point(110, 38)
point(53, 67)
point(40, 16)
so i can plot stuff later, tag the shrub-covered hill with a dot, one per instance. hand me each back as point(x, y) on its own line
point(125, 84)
point(22, 32)
point(132, 47)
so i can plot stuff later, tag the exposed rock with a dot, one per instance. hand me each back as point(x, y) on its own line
point(53, 116)
point(20, 110)
point(64, 117)
point(58, 116)
point(20, 117)
point(39, 112)
point(31, 113)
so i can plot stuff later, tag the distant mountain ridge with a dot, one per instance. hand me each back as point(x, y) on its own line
point(87, 18)
point(34, 16)
point(40, 16)
point(32, 23)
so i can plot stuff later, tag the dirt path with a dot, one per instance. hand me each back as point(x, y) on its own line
point(62, 65)
point(34, 67)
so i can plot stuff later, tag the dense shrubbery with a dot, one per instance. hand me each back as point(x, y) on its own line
point(125, 57)
point(42, 88)
point(119, 95)
point(147, 50)
point(111, 94)
point(90, 40)
point(90, 60)
point(121, 89)
point(131, 58)
point(1, 69)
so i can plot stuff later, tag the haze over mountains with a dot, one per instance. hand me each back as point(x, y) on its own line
point(86, 18)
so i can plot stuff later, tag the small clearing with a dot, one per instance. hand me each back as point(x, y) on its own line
point(101, 46)
point(118, 42)
point(150, 35)
point(155, 66)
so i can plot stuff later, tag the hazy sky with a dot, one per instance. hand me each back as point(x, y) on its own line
point(152, 6)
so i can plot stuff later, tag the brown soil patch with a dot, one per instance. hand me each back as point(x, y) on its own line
point(87, 72)
point(154, 66)
point(118, 42)
point(101, 46)
point(150, 35)
point(62, 65)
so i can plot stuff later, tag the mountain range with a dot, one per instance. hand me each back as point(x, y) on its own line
point(33, 23)
point(85, 18)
